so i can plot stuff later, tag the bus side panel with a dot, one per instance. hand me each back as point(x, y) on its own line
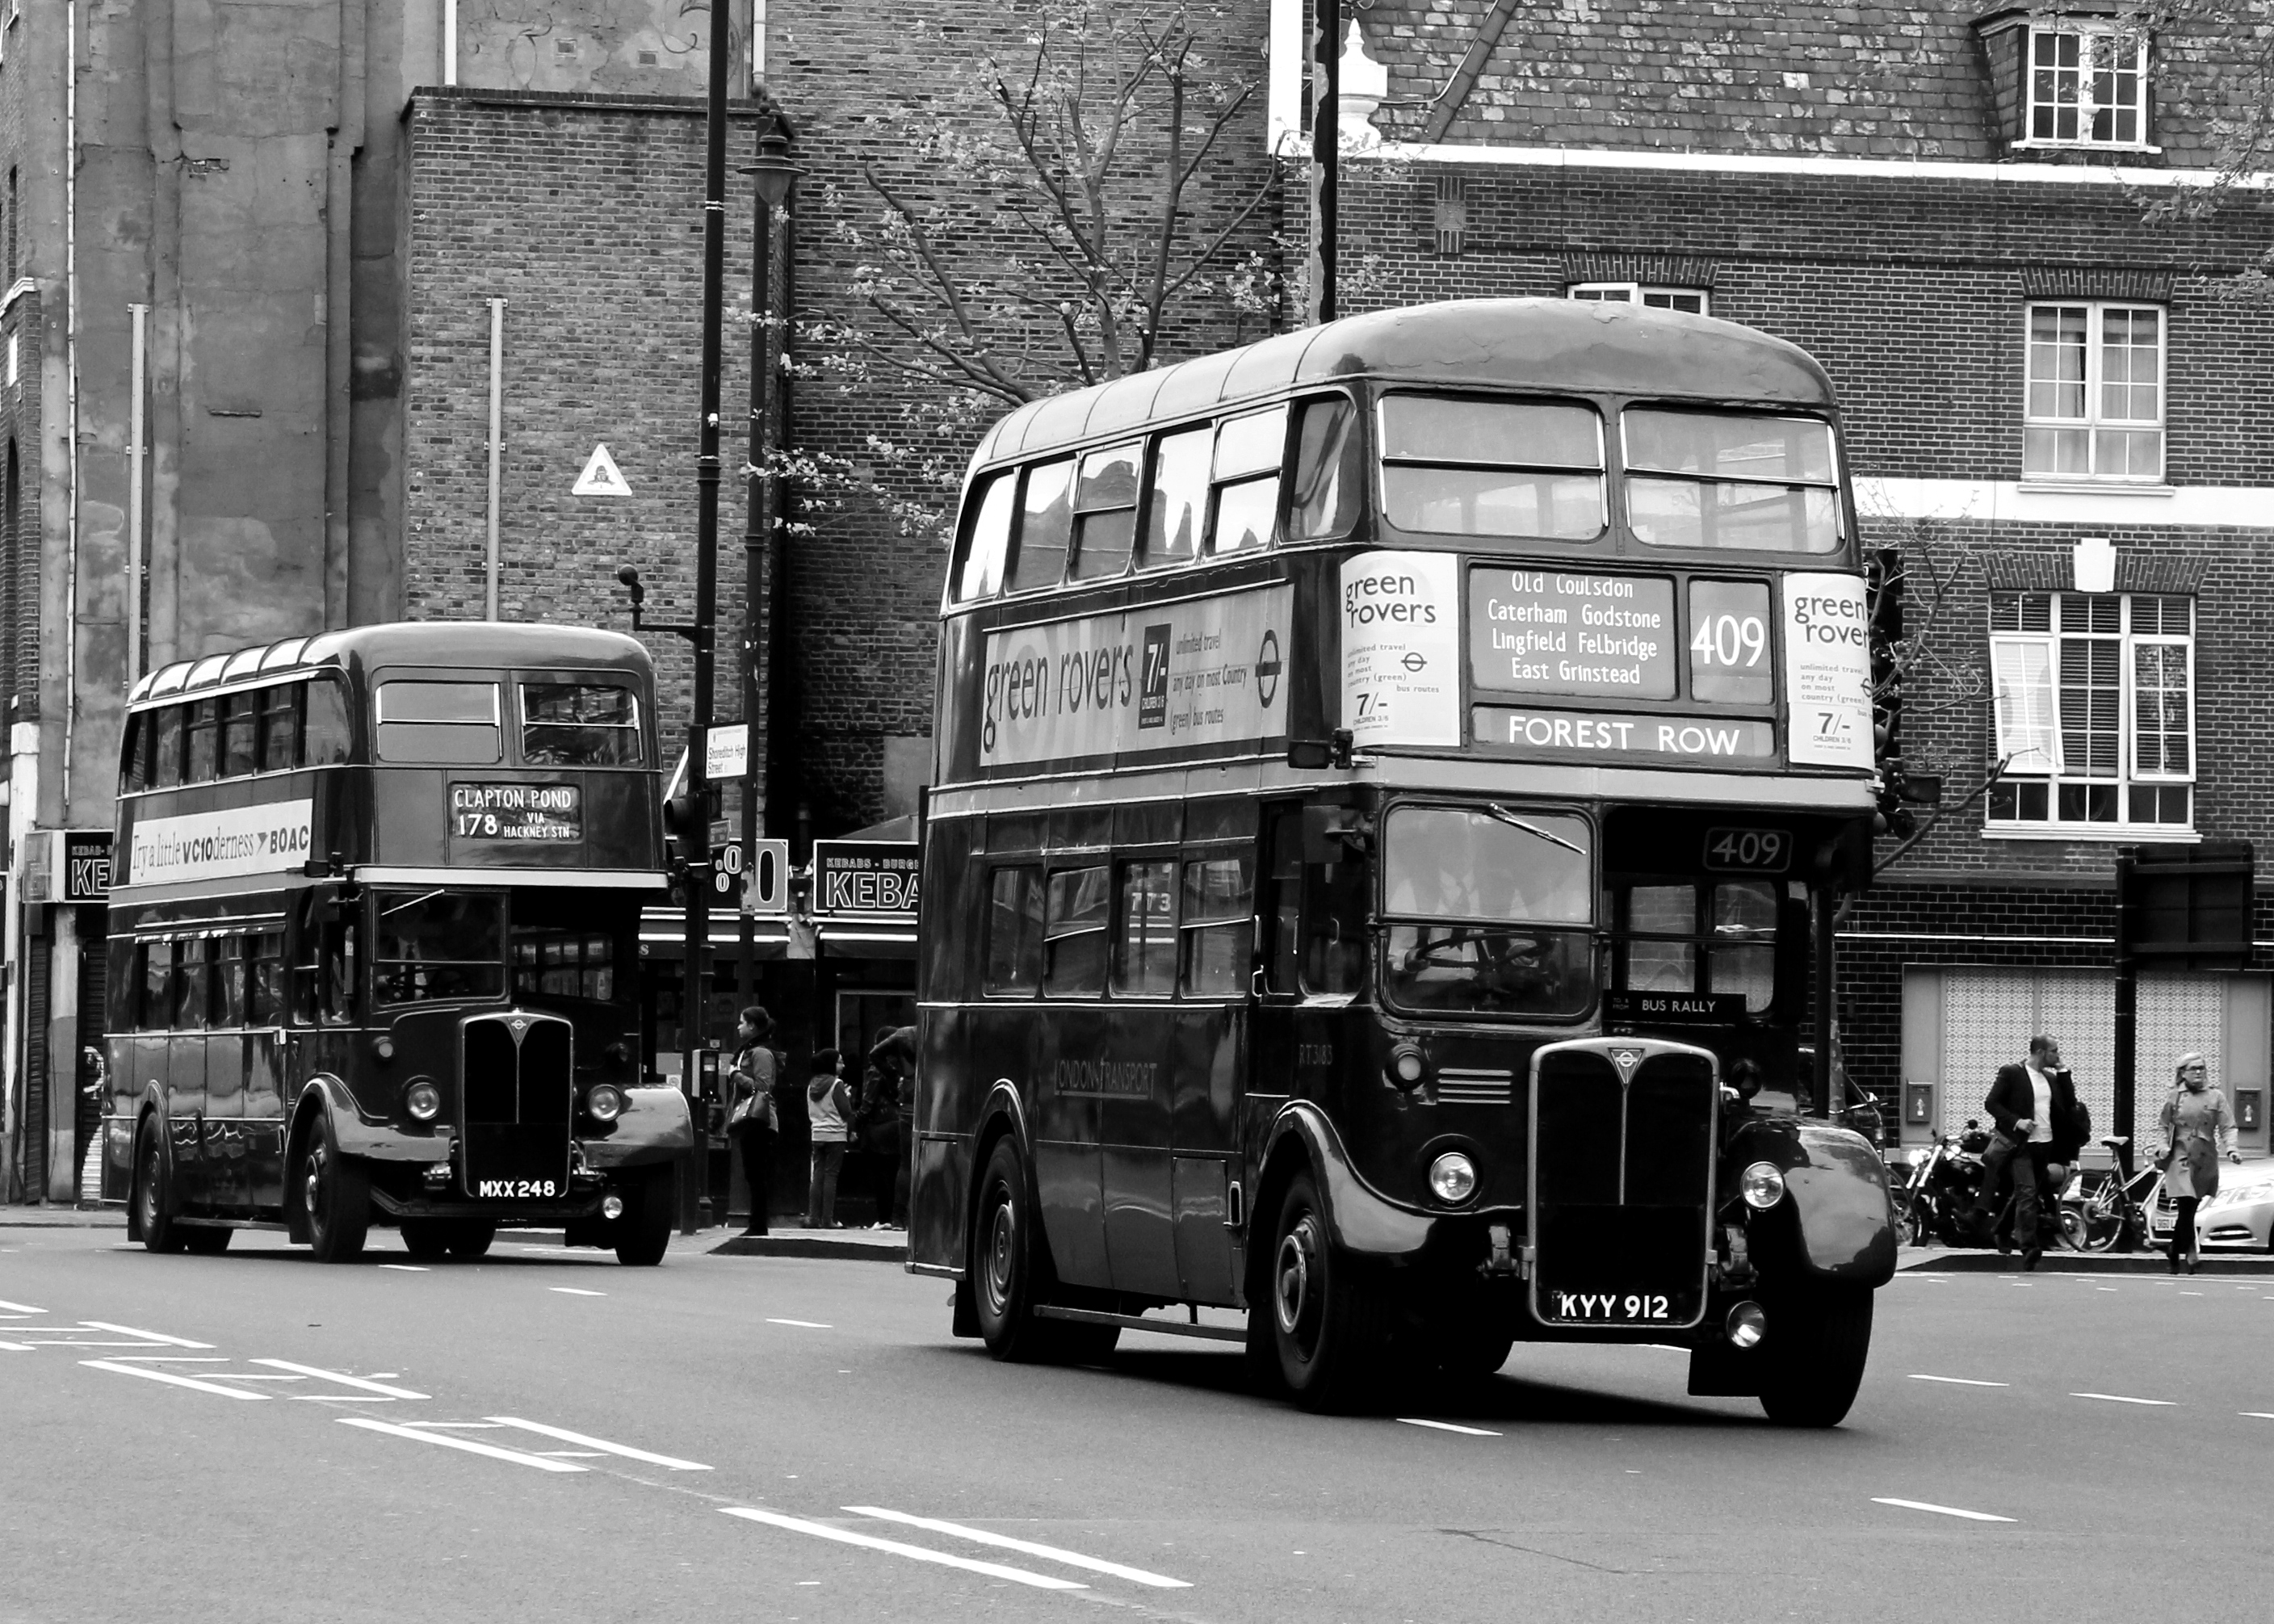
point(266, 1098)
point(1140, 1053)
point(949, 1096)
point(962, 644)
point(184, 1074)
point(1204, 1134)
point(1062, 1122)
point(228, 1186)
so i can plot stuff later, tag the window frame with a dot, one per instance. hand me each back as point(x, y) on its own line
point(1652, 295)
point(2094, 421)
point(2015, 789)
point(2093, 39)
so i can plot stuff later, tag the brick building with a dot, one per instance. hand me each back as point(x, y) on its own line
point(2052, 408)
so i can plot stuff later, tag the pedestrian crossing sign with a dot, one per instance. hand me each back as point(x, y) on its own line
point(601, 476)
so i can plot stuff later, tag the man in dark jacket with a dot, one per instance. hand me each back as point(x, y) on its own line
point(2040, 1126)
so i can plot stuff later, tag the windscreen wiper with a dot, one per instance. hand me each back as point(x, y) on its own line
point(1510, 818)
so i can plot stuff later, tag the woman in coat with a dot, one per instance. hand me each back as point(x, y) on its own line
point(2198, 1129)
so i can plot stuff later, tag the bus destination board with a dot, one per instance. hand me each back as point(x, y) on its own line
point(1572, 632)
point(522, 813)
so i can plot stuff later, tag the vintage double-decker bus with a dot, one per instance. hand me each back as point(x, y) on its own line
point(1394, 783)
point(373, 944)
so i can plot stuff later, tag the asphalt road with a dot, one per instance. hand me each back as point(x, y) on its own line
point(256, 1437)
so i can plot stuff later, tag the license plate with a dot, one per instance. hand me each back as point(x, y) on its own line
point(1612, 1308)
point(518, 1190)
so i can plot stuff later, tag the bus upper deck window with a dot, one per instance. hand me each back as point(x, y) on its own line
point(444, 722)
point(239, 717)
point(987, 544)
point(1468, 467)
point(204, 725)
point(326, 733)
point(438, 945)
point(1045, 518)
point(134, 755)
point(280, 726)
point(1105, 512)
point(579, 725)
point(1324, 500)
point(1718, 479)
point(1073, 931)
point(1248, 454)
point(1178, 509)
point(166, 758)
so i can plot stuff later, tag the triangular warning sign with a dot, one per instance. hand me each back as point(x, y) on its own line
point(601, 476)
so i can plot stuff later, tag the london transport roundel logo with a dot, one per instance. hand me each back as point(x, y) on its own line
point(1268, 669)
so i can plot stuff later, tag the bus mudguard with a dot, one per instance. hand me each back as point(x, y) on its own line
point(655, 1125)
point(355, 1134)
point(1835, 1222)
point(1363, 1222)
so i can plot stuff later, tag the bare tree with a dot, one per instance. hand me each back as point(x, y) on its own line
point(2232, 43)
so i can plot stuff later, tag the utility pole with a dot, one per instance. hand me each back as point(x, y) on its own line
point(1325, 152)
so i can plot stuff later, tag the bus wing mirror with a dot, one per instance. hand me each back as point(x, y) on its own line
point(1332, 834)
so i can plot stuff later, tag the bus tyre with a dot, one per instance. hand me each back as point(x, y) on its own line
point(335, 1194)
point(471, 1238)
point(154, 1194)
point(426, 1239)
point(1818, 1337)
point(1001, 1268)
point(643, 1231)
point(1330, 1327)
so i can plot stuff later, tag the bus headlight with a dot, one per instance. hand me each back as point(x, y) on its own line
point(422, 1099)
point(1453, 1176)
point(605, 1102)
point(1762, 1184)
point(1409, 1067)
point(1746, 1326)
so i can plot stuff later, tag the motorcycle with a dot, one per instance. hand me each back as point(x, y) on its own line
point(1937, 1201)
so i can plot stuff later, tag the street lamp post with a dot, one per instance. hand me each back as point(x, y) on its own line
point(773, 177)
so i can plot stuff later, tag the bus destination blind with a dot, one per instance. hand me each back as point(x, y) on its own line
point(519, 813)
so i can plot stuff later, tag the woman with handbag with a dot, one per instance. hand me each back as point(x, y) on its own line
point(751, 1122)
point(2198, 1129)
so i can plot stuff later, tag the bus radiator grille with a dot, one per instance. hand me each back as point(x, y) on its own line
point(518, 1091)
point(1457, 1086)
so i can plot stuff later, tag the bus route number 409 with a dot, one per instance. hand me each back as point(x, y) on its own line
point(1609, 1306)
point(1748, 851)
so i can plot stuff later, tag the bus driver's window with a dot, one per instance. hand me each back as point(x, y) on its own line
point(1317, 913)
point(324, 973)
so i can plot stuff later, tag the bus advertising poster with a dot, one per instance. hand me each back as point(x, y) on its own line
point(1207, 672)
point(217, 845)
point(1828, 670)
point(1401, 649)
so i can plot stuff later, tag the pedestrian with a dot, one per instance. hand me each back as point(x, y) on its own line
point(884, 1084)
point(2198, 1129)
point(753, 1122)
point(827, 1099)
point(2035, 1108)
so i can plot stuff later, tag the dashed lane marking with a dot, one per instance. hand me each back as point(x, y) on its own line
point(407, 1268)
point(914, 1553)
point(149, 1336)
point(16, 1348)
point(1946, 1511)
point(470, 1446)
point(2118, 1398)
point(980, 1536)
point(20, 1308)
point(803, 1325)
point(2257, 1415)
point(379, 1388)
point(1960, 1381)
point(567, 1437)
point(1447, 1426)
point(574, 1291)
point(169, 1376)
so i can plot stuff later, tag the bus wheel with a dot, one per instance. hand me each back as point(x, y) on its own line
point(1002, 1269)
point(153, 1195)
point(643, 1231)
point(426, 1239)
point(1818, 1340)
point(335, 1193)
point(1331, 1331)
point(471, 1238)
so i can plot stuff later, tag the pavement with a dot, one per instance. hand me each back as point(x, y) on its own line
point(546, 1435)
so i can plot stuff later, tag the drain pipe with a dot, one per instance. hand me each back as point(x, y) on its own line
point(497, 443)
point(136, 428)
point(449, 41)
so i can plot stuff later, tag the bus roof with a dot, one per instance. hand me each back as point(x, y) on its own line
point(400, 642)
point(1577, 345)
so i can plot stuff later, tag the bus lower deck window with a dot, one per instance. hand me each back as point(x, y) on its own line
point(1217, 928)
point(1145, 954)
point(1073, 931)
point(1015, 931)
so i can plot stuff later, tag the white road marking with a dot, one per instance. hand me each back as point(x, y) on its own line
point(570, 1454)
point(254, 1376)
point(16, 1348)
point(1960, 1381)
point(626, 1450)
point(346, 1381)
point(457, 1426)
point(169, 1376)
point(172, 1358)
point(468, 1445)
point(869, 1542)
point(68, 1340)
point(338, 1398)
point(151, 1336)
point(803, 1325)
point(2104, 1287)
point(1947, 1511)
point(20, 1308)
point(2118, 1398)
point(574, 1291)
point(407, 1268)
point(2257, 1415)
point(2190, 1294)
point(1447, 1426)
point(980, 1536)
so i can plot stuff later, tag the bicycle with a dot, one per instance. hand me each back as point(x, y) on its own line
point(2114, 1214)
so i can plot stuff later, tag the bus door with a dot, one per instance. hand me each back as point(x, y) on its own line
point(1143, 1059)
point(227, 1181)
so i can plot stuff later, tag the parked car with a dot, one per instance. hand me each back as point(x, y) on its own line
point(2240, 1215)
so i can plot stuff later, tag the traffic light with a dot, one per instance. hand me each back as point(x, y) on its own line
point(687, 819)
point(1886, 588)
